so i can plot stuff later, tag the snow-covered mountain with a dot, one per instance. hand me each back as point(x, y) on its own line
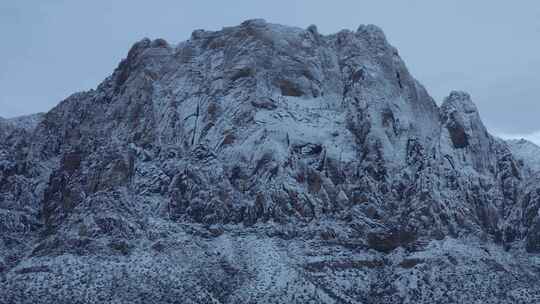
point(265, 164)
point(526, 152)
point(26, 122)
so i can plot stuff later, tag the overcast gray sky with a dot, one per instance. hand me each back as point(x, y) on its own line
point(490, 48)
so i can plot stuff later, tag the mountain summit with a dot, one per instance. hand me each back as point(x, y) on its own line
point(265, 164)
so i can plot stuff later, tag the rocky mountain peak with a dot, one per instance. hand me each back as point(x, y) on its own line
point(462, 121)
point(263, 154)
point(372, 31)
point(459, 101)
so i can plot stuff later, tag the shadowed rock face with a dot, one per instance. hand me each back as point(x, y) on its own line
point(259, 163)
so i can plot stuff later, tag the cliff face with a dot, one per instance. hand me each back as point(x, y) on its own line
point(258, 163)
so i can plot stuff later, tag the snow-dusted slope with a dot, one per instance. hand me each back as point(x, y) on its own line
point(26, 122)
point(526, 152)
point(264, 163)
